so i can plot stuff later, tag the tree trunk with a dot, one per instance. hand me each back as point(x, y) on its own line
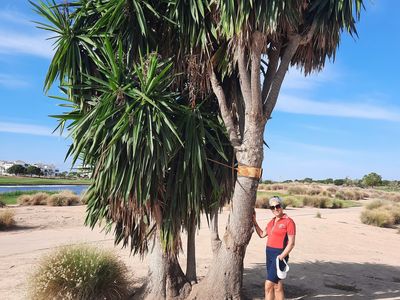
point(191, 252)
point(224, 279)
point(166, 279)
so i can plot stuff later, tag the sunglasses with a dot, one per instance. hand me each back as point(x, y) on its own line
point(273, 207)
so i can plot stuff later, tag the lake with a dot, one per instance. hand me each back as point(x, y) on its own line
point(77, 189)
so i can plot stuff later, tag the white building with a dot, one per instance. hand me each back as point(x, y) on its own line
point(47, 169)
point(4, 165)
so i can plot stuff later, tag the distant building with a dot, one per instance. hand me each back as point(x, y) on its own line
point(47, 169)
point(5, 165)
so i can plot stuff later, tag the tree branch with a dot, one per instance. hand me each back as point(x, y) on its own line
point(291, 48)
point(273, 60)
point(256, 49)
point(307, 38)
point(244, 78)
point(225, 113)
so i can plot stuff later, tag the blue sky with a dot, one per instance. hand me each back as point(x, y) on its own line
point(343, 121)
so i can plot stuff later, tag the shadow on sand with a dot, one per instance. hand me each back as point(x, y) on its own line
point(329, 281)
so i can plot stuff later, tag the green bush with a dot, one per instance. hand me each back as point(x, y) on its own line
point(80, 273)
point(320, 202)
point(6, 219)
point(337, 203)
point(338, 182)
point(293, 202)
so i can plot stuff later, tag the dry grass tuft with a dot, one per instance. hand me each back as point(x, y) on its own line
point(2, 204)
point(80, 272)
point(332, 189)
point(7, 219)
point(316, 201)
point(262, 202)
point(394, 197)
point(34, 199)
point(65, 198)
point(297, 190)
point(378, 217)
point(381, 213)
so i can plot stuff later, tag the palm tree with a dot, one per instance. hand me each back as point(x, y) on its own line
point(156, 154)
point(239, 51)
point(246, 48)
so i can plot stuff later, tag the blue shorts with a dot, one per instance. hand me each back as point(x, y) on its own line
point(271, 254)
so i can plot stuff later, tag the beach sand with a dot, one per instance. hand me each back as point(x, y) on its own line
point(335, 257)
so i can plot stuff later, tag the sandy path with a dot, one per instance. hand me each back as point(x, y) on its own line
point(336, 257)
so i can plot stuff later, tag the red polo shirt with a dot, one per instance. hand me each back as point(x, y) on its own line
point(278, 231)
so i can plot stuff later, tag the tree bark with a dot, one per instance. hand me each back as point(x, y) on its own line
point(166, 279)
point(191, 252)
point(224, 279)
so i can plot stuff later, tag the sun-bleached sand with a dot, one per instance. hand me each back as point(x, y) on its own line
point(335, 257)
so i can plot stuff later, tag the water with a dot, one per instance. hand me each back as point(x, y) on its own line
point(77, 189)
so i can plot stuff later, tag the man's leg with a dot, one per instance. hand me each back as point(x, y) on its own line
point(278, 288)
point(269, 290)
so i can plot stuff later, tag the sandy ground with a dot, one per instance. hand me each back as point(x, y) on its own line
point(336, 257)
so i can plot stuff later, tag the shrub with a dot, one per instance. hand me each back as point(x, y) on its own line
point(2, 204)
point(263, 186)
point(320, 202)
point(314, 191)
point(24, 200)
point(346, 195)
point(84, 199)
point(276, 187)
point(262, 202)
point(394, 197)
point(297, 190)
point(80, 272)
point(379, 217)
point(332, 190)
point(338, 182)
point(318, 215)
point(65, 198)
point(35, 199)
point(7, 218)
point(337, 203)
point(292, 201)
point(374, 204)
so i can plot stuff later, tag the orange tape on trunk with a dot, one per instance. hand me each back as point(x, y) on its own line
point(246, 171)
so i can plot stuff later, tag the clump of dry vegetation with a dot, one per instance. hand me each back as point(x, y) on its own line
point(2, 204)
point(34, 199)
point(314, 195)
point(6, 219)
point(297, 190)
point(64, 198)
point(80, 272)
point(381, 213)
